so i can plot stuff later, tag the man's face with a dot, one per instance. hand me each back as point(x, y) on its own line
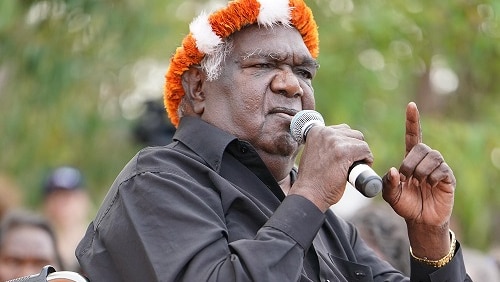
point(24, 251)
point(66, 207)
point(264, 81)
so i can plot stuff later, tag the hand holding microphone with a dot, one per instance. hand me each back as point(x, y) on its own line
point(360, 175)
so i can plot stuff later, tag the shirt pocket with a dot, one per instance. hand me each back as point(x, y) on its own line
point(350, 270)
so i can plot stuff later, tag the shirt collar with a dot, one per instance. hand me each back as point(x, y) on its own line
point(208, 141)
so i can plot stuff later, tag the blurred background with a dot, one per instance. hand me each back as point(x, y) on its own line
point(81, 83)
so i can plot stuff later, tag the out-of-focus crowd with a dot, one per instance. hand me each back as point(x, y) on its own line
point(48, 235)
point(33, 238)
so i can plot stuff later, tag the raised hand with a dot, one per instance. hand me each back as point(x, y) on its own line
point(422, 191)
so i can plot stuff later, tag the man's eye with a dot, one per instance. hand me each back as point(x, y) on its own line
point(305, 73)
point(262, 66)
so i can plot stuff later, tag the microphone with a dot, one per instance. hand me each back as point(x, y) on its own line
point(360, 175)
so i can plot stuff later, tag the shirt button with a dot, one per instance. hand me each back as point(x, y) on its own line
point(359, 274)
point(244, 149)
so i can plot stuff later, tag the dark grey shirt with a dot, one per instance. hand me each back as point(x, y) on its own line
point(206, 208)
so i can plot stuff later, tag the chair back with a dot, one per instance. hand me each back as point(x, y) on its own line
point(49, 273)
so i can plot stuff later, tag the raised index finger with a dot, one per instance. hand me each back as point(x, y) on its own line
point(413, 130)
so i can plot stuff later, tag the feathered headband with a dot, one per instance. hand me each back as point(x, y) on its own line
point(207, 32)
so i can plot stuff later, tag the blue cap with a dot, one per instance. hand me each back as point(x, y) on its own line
point(64, 178)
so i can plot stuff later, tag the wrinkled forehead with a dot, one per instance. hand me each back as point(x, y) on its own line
point(278, 43)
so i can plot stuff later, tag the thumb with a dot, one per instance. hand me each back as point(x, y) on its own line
point(391, 180)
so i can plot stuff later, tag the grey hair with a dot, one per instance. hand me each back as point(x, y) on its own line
point(211, 64)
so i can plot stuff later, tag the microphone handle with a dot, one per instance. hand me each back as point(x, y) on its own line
point(364, 179)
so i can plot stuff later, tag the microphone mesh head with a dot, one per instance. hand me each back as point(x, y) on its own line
point(302, 122)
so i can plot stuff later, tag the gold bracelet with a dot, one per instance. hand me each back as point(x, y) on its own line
point(441, 262)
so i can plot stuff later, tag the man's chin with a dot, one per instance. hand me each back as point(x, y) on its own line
point(286, 145)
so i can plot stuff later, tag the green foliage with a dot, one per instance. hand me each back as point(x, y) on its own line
point(69, 68)
point(376, 56)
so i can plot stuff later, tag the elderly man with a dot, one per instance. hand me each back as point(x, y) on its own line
point(224, 201)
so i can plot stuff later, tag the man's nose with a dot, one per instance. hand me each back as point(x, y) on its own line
point(286, 83)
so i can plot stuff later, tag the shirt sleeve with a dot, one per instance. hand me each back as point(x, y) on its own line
point(383, 271)
point(453, 271)
point(163, 227)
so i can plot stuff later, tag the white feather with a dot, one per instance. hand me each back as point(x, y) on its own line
point(206, 39)
point(274, 11)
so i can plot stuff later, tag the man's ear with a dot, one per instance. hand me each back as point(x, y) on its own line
point(192, 82)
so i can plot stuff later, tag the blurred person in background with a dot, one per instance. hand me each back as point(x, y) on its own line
point(385, 232)
point(27, 243)
point(10, 195)
point(481, 266)
point(495, 254)
point(67, 205)
point(153, 128)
